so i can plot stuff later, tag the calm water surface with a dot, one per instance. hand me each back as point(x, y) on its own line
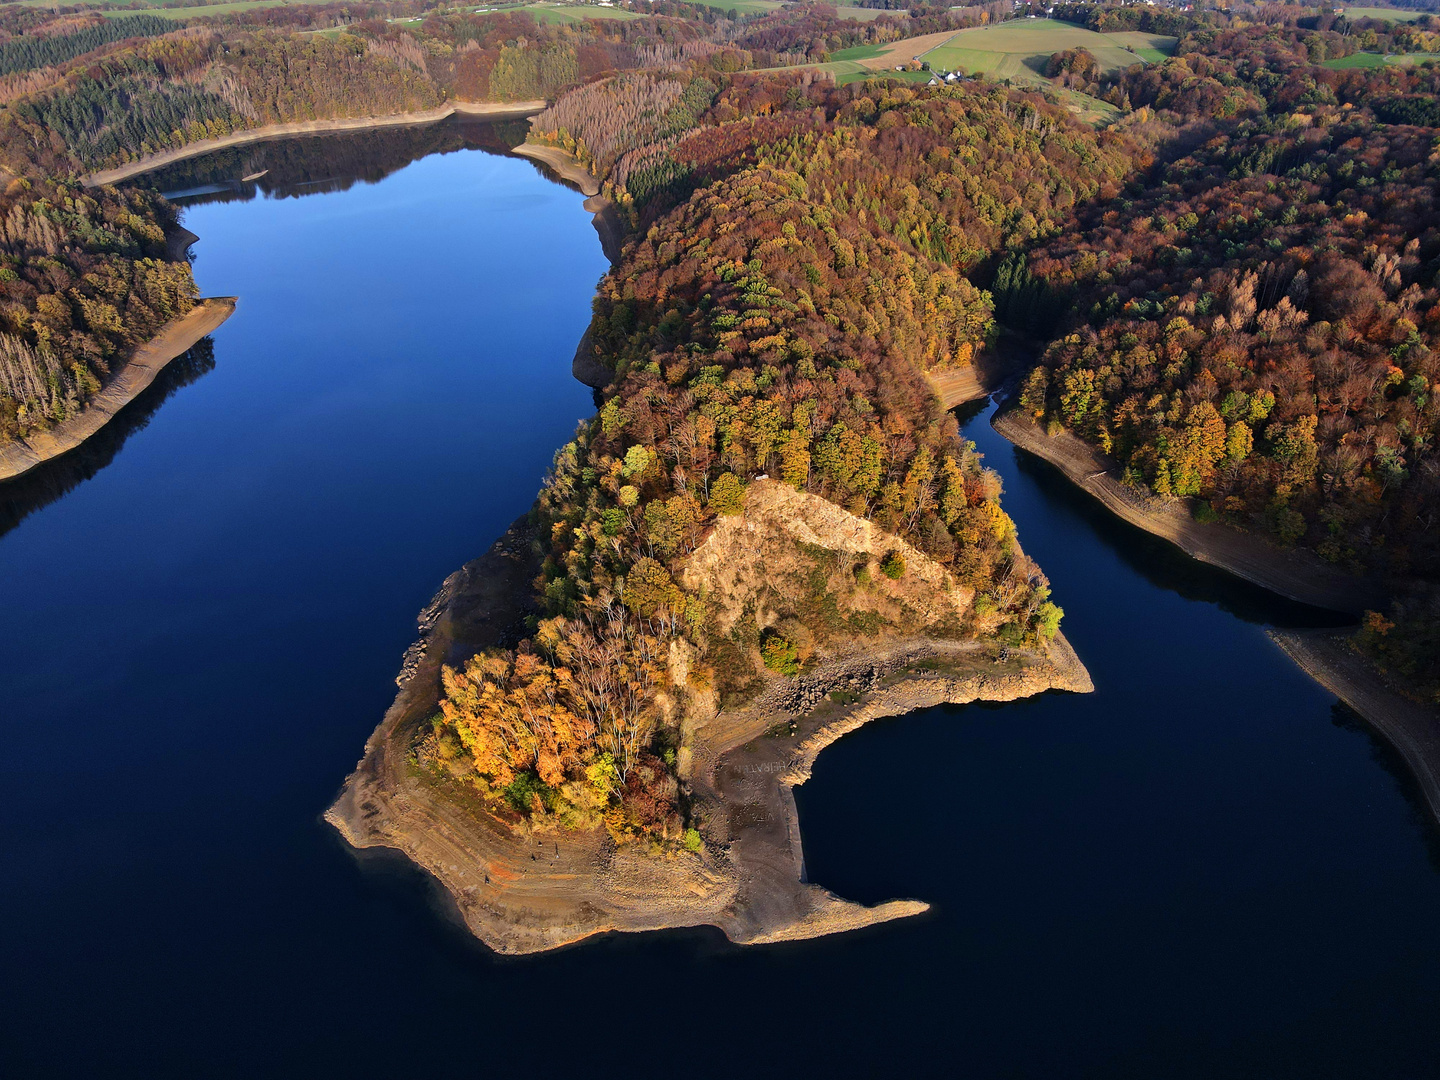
point(1204, 869)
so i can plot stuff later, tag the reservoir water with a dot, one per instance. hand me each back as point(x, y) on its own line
point(1206, 868)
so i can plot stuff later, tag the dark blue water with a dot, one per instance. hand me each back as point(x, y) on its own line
point(1203, 869)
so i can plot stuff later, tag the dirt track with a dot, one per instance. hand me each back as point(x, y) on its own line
point(146, 362)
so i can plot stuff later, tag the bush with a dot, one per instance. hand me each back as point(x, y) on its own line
point(780, 655)
point(893, 566)
point(691, 840)
point(524, 788)
point(1047, 620)
point(727, 494)
point(1205, 514)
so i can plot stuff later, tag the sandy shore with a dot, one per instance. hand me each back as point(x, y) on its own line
point(566, 165)
point(523, 892)
point(138, 372)
point(494, 111)
point(1297, 574)
point(1413, 729)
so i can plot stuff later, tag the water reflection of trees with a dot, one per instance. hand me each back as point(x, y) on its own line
point(332, 161)
point(21, 497)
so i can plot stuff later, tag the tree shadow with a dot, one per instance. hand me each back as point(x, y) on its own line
point(294, 166)
point(45, 484)
point(1165, 566)
point(1392, 762)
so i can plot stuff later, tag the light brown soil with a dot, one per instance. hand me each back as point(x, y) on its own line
point(906, 49)
point(1412, 728)
point(311, 127)
point(956, 387)
point(524, 891)
point(566, 165)
point(1297, 574)
point(126, 384)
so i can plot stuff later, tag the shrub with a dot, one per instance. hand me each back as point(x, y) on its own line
point(691, 840)
point(780, 654)
point(727, 494)
point(893, 566)
point(1047, 620)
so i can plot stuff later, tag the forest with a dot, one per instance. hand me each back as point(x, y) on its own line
point(775, 316)
point(1229, 287)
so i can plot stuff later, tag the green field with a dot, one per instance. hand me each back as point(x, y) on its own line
point(176, 12)
point(1388, 14)
point(1375, 60)
point(861, 14)
point(846, 78)
point(1152, 48)
point(1019, 49)
point(741, 7)
point(195, 12)
point(861, 52)
point(572, 13)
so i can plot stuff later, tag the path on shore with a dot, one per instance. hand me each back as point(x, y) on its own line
point(137, 373)
point(1296, 574)
point(490, 110)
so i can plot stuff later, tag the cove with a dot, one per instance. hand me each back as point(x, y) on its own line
point(1204, 868)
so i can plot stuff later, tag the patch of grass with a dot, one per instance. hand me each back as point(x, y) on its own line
point(1355, 60)
point(860, 14)
point(1019, 49)
point(1375, 60)
point(860, 52)
point(1388, 14)
point(572, 13)
point(903, 76)
point(1151, 48)
point(179, 13)
point(740, 7)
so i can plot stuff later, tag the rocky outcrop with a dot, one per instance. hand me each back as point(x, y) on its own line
point(523, 890)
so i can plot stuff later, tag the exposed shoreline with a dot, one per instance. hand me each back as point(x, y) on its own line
point(493, 111)
point(1325, 655)
point(522, 892)
point(1296, 574)
point(1412, 728)
point(135, 375)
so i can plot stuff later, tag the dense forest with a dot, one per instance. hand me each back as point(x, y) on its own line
point(775, 317)
point(1255, 324)
point(1231, 289)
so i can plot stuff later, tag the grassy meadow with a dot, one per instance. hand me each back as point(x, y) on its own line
point(1019, 49)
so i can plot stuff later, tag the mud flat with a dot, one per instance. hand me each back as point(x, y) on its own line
point(523, 891)
point(1412, 728)
point(1297, 574)
point(493, 111)
point(126, 384)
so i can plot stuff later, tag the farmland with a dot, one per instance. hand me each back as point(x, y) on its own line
point(1388, 14)
point(1375, 60)
point(1019, 49)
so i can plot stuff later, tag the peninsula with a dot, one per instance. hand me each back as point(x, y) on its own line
point(129, 380)
point(769, 535)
